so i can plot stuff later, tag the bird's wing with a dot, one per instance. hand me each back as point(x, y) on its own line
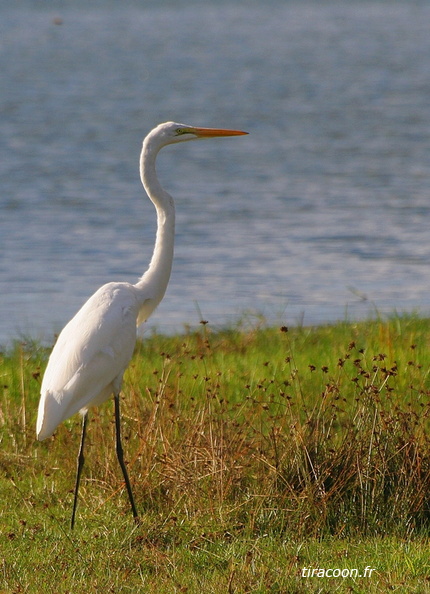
point(89, 357)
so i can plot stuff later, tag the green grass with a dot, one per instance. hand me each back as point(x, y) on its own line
point(253, 453)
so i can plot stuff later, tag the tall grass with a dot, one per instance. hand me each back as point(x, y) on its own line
point(308, 431)
point(328, 441)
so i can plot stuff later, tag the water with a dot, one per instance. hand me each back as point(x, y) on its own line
point(321, 213)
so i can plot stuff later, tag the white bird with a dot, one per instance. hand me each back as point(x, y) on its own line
point(93, 350)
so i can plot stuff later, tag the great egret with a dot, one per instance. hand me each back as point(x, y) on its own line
point(88, 361)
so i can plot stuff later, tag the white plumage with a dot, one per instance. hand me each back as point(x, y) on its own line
point(90, 356)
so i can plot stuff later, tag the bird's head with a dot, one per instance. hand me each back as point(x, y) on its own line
point(172, 132)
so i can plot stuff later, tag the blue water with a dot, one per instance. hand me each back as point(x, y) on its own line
point(321, 213)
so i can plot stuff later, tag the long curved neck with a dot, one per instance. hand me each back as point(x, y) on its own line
point(152, 285)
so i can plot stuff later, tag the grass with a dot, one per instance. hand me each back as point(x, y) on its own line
point(253, 452)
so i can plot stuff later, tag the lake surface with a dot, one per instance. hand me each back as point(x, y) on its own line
point(322, 213)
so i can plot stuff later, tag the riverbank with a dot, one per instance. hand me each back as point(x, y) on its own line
point(255, 454)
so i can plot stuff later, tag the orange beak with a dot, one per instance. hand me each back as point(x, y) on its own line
point(213, 132)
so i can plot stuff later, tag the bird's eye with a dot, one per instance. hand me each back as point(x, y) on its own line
point(180, 131)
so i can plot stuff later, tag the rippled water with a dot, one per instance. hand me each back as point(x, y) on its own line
point(321, 213)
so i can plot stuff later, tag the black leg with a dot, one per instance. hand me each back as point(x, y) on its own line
point(120, 455)
point(80, 464)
